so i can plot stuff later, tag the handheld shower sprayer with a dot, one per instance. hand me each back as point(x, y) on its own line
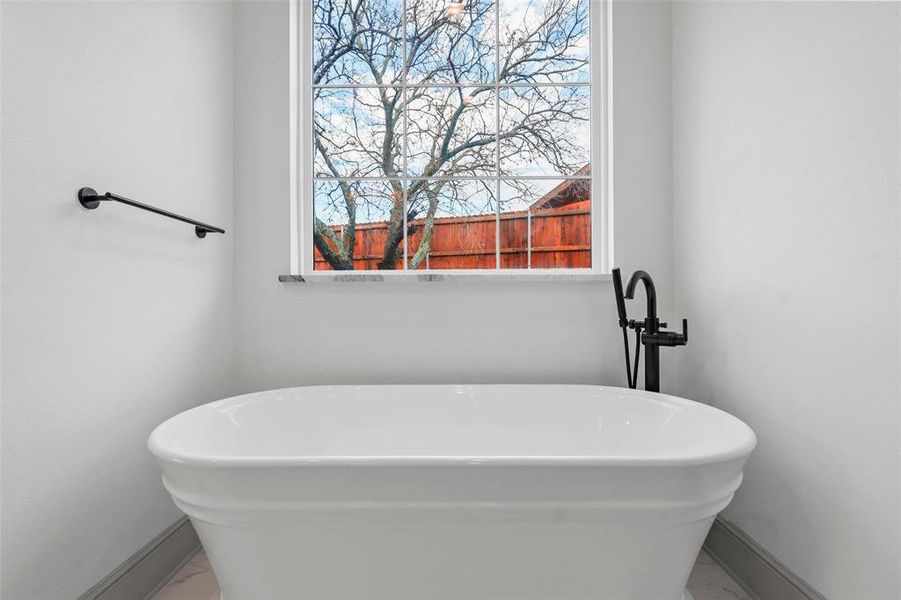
point(624, 324)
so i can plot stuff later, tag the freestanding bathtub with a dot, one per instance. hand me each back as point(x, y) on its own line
point(454, 492)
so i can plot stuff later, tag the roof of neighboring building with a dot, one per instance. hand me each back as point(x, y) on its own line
point(567, 192)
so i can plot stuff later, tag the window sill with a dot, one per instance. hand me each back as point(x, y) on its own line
point(345, 277)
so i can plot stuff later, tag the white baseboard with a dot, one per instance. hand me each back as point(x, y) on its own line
point(755, 569)
point(148, 569)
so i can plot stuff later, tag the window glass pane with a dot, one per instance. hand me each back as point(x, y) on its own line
point(349, 131)
point(451, 132)
point(544, 41)
point(357, 41)
point(450, 41)
point(452, 224)
point(545, 131)
point(545, 224)
point(357, 219)
point(458, 175)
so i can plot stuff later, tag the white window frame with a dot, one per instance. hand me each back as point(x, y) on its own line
point(301, 172)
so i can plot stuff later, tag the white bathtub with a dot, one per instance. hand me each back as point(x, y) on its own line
point(419, 492)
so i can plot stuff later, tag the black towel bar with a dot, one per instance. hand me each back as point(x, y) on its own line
point(89, 198)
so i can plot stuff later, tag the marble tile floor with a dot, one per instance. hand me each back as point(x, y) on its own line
point(196, 581)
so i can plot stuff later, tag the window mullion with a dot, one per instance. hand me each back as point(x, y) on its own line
point(404, 124)
point(497, 133)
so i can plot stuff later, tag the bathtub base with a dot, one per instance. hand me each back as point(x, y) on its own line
point(453, 560)
point(686, 595)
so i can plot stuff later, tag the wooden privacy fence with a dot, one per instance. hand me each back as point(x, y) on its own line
point(558, 237)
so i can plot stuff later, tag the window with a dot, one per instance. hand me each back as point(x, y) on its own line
point(445, 135)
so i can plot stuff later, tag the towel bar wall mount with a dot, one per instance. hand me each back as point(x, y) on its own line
point(91, 199)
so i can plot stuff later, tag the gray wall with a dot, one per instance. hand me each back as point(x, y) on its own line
point(786, 187)
point(292, 334)
point(115, 319)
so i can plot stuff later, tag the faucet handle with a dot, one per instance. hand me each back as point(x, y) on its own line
point(667, 338)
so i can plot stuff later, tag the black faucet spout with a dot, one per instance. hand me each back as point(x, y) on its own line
point(649, 290)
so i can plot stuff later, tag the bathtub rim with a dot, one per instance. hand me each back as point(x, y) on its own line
point(741, 450)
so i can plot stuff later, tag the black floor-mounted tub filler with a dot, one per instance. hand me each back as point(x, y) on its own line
point(648, 332)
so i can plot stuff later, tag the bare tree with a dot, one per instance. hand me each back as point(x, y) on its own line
point(411, 100)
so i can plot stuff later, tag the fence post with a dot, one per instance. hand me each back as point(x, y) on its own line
point(529, 238)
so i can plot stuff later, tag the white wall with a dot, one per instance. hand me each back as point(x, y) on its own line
point(114, 319)
point(292, 334)
point(786, 221)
